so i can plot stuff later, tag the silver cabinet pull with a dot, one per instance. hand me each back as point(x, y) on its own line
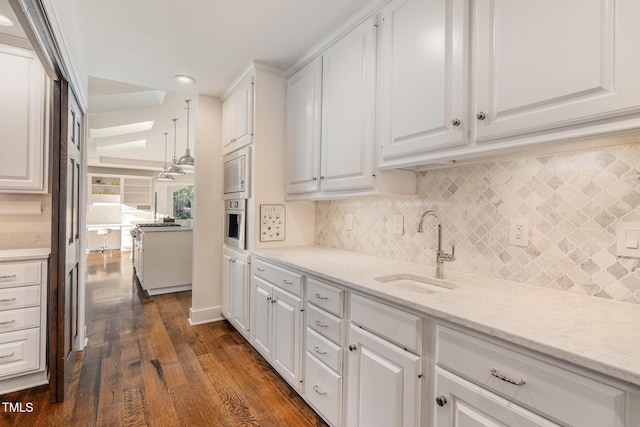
point(287, 282)
point(455, 122)
point(320, 324)
point(321, 297)
point(259, 269)
point(6, 356)
point(317, 390)
point(317, 350)
point(441, 400)
point(503, 377)
point(315, 178)
point(481, 116)
point(8, 322)
point(8, 299)
point(11, 276)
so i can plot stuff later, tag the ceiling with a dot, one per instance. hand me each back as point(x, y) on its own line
point(134, 48)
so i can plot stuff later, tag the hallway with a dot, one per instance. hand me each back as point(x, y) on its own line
point(144, 365)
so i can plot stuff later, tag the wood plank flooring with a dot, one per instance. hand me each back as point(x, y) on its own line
point(144, 365)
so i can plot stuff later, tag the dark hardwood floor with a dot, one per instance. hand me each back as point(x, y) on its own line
point(144, 365)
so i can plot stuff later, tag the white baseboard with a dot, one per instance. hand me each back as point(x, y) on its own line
point(205, 315)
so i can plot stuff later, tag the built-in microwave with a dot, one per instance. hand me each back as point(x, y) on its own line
point(235, 220)
point(237, 168)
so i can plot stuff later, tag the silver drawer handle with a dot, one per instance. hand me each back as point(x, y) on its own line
point(8, 322)
point(287, 282)
point(319, 323)
point(6, 356)
point(260, 269)
point(503, 377)
point(8, 299)
point(317, 350)
point(321, 297)
point(317, 390)
point(12, 276)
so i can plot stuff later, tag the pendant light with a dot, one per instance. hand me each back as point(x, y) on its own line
point(187, 162)
point(163, 176)
point(174, 169)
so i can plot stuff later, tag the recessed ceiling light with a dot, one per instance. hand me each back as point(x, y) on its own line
point(5, 22)
point(184, 79)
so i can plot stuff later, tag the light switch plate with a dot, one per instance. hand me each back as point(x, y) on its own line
point(627, 239)
point(397, 226)
point(348, 222)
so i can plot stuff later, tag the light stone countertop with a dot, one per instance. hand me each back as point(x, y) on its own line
point(24, 254)
point(163, 229)
point(595, 333)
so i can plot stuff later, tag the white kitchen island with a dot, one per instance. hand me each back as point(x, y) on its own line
point(162, 259)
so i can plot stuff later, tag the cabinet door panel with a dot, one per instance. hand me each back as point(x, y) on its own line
point(383, 381)
point(287, 336)
point(543, 65)
point(226, 278)
point(348, 110)
point(304, 96)
point(424, 66)
point(468, 405)
point(240, 294)
point(260, 317)
point(244, 114)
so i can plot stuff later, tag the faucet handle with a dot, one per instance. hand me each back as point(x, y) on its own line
point(453, 248)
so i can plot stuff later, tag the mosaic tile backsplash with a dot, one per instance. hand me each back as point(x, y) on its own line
point(572, 201)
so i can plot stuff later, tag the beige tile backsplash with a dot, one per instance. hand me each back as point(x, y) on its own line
point(573, 202)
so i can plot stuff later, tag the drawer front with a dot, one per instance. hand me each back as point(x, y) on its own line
point(550, 390)
point(20, 274)
point(19, 351)
point(325, 324)
point(325, 296)
point(323, 389)
point(324, 350)
point(287, 280)
point(390, 323)
point(24, 318)
point(27, 296)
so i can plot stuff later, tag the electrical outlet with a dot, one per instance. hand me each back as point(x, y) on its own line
point(519, 232)
point(348, 222)
point(397, 226)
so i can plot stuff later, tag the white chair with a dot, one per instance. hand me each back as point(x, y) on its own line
point(104, 232)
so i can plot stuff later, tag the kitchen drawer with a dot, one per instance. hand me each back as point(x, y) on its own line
point(23, 318)
point(395, 325)
point(19, 351)
point(287, 280)
point(549, 390)
point(324, 350)
point(325, 324)
point(12, 298)
point(323, 389)
point(325, 296)
point(20, 274)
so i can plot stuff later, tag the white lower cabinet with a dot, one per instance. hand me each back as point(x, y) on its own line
point(479, 383)
point(236, 288)
point(23, 324)
point(276, 323)
point(385, 379)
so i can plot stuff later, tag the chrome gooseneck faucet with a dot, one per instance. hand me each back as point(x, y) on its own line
point(441, 257)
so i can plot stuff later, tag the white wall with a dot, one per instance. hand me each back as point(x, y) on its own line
point(208, 212)
point(26, 231)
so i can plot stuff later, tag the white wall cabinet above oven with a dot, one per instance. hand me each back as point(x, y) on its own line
point(237, 116)
point(539, 75)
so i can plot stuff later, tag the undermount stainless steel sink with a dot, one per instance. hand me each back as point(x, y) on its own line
point(415, 283)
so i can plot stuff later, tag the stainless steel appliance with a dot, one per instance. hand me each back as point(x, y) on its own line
point(235, 217)
point(236, 174)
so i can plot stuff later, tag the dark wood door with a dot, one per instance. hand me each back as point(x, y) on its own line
point(66, 229)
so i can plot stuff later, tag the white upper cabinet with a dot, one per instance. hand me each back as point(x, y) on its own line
point(304, 103)
point(237, 116)
point(331, 117)
point(424, 53)
point(547, 64)
point(348, 110)
point(24, 122)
